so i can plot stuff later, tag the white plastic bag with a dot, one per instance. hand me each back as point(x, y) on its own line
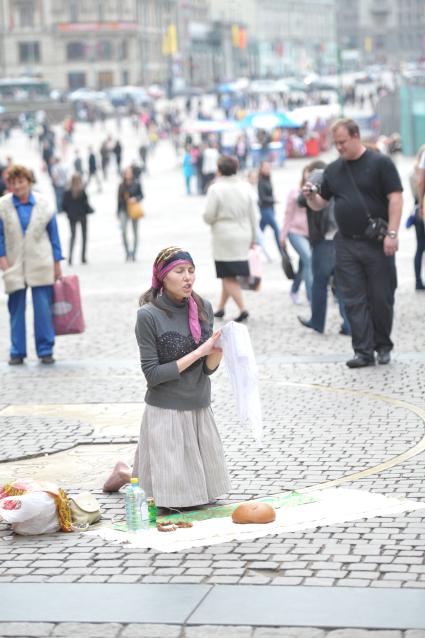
point(34, 513)
point(242, 368)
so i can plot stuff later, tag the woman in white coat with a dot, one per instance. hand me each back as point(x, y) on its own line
point(230, 211)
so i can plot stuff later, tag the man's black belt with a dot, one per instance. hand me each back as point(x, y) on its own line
point(355, 237)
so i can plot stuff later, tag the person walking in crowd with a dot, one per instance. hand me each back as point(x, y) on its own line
point(321, 231)
point(144, 145)
point(179, 460)
point(187, 169)
point(266, 201)
point(129, 191)
point(210, 157)
point(367, 189)
point(197, 161)
point(295, 228)
point(59, 177)
point(77, 207)
point(93, 172)
point(230, 211)
point(252, 179)
point(78, 163)
point(30, 256)
point(105, 154)
point(418, 189)
point(241, 151)
point(117, 149)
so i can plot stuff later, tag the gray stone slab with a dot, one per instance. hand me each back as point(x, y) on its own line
point(99, 603)
point(312, 607)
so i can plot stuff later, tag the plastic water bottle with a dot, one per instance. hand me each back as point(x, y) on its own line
point(136, 507)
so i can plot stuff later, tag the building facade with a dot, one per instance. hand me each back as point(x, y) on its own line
point(86, 43)
point(382, 31)
point(283, 36)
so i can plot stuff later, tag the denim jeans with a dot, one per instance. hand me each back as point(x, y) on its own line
point(42, 299)
point(302, 246)
point(125, 220)
point(420, 249)
point(323, 265)
point(268, 218)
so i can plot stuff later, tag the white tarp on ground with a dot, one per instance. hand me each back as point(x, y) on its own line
point(331, 507)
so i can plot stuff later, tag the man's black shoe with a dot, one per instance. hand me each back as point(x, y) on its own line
point(384, 357)
point(360, 362)
point(47, 360)
point(16, 361)
point(306, 323)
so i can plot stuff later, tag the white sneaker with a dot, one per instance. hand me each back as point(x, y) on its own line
point(295, 298)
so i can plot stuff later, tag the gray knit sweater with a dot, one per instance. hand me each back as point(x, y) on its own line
point(163, 337)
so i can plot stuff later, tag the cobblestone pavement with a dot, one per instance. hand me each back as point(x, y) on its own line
point(322, 421)
point(117, 630)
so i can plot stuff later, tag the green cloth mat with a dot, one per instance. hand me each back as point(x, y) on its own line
point(289, 499)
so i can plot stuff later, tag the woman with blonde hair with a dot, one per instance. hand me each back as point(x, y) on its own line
point(76, 205)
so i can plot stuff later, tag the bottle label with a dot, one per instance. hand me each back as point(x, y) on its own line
point(144, 511)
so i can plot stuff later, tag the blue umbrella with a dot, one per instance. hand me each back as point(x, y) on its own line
point(227, 87)
point(268, 120)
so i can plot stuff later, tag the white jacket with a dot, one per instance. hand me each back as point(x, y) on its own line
point(30, 256)
point(230, 211)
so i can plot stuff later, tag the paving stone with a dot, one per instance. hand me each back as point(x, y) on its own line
point(151, 631)
point(25, 629)
point(89, 630)
point(212, 631)
point(364, 633)
point(288, 632)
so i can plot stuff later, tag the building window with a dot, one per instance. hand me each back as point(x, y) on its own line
point(105, 79)
point(26, 14)
point(100, 15)
point(105, 50)
point(75, 51)
point(123, 50)
point(76, 80)
point(73, 10)
point(29, 52)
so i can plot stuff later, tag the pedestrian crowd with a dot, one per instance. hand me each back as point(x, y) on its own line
point(341, 221)
point(326, 224)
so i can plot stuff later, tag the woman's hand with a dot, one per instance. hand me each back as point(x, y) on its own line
point(4, 264)
point(58, 270)
point(132, 200)
point(207, 349)
point(209, 346)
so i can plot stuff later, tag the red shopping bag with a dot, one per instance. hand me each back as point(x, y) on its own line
point(67, 312)
point(253, 282)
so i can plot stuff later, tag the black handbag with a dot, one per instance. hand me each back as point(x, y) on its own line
point(377, 227)
point(287, 264)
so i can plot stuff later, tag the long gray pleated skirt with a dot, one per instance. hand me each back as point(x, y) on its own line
point(179, 459)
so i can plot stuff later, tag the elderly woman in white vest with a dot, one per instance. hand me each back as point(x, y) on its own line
point(231, 213)
point(30, 256)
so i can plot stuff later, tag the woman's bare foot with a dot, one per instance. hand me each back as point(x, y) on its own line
point(121, 474)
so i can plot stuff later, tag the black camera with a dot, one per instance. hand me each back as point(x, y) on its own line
point(315, 179)
point(376, 229)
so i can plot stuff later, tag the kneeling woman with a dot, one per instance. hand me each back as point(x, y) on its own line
point(179, 459)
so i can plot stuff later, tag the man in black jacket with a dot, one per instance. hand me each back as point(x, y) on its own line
point(321, 231)
point(366, 187)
